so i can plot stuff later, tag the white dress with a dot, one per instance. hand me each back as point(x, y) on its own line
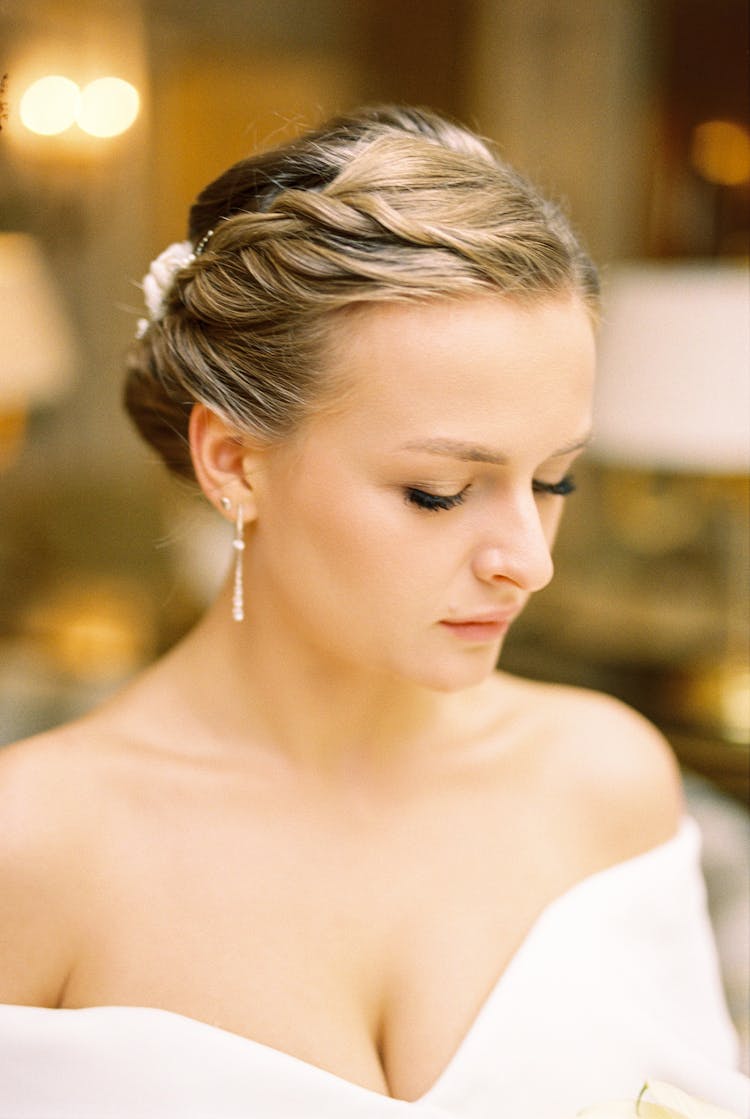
point(616, 983)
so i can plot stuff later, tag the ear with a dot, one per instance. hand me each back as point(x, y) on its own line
point(224, 463)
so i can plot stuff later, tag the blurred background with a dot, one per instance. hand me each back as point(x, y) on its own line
point(633, 113)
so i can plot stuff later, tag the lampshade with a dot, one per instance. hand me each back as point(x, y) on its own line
point(36, 345)
point(674, 380)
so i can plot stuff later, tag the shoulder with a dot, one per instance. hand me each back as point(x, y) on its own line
point(48, 807)
point(611, 769)
point(44, 781)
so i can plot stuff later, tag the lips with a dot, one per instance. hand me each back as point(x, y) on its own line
point(480, 627)
point(494, 618)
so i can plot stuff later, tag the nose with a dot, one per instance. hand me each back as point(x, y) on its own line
point(515, 549)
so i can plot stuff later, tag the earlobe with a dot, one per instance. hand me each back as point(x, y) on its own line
point(220, 461)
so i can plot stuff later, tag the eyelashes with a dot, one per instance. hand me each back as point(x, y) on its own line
point(435, 502)
point(562, 488)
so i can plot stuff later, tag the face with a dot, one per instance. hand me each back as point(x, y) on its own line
point(403, 533)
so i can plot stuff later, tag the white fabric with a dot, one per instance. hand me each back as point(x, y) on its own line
point(616, 982)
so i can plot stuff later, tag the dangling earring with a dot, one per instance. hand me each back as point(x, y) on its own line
point(238, 597)
point(238, 544)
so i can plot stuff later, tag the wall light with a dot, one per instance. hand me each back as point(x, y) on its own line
point(106, 107)
point(50, 105)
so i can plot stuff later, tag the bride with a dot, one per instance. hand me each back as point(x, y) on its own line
point(322, 859)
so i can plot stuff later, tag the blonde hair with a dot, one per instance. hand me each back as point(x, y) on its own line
point(385, 205)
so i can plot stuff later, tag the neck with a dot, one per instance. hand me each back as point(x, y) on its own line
point(254, 683)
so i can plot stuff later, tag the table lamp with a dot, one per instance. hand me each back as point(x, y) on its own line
point(673, 403)
point(674, 380)
point(37, 353)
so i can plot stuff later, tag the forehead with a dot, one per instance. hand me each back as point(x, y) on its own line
point(468, 364)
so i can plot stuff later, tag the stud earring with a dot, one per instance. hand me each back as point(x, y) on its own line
point(238, 595)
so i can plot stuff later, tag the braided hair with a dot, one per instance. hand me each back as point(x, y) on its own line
point(387, 205)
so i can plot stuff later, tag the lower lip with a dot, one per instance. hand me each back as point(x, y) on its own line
point(477, 631)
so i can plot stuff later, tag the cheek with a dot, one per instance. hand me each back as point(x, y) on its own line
point(358, 549)
point(336, 533)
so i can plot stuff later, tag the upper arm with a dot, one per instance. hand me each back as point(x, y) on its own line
point(38, 896)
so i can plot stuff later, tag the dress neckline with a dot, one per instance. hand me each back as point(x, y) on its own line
point(687, 834)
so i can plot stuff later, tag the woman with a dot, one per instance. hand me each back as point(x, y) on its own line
point(322, 859)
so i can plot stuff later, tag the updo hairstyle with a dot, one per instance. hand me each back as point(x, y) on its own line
point(388, 205)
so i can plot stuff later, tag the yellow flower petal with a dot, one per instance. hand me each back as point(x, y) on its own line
point(683, 1105)
point(657, 1101)
point(621, 1109)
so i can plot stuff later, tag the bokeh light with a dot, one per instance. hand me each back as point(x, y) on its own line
point(50, 105)
point(108, 107)
point(720, 152)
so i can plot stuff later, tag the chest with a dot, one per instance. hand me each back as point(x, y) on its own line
point(362, 945)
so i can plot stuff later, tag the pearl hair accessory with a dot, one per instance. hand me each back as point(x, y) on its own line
point(238, 544)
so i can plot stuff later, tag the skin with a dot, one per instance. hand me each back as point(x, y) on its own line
point(338, 802)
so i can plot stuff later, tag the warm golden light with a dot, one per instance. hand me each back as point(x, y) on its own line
point(720, 152)
point(108, 107)
point(50, 105)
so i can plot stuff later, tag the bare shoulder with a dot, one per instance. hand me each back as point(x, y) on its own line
point(48, 805)
point(610, 765)
point(42, 780)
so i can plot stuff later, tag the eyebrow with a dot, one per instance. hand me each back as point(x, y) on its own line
point(476, 452)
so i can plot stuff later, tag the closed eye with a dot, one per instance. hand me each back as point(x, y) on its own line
point(423, 499)
point(562, 488)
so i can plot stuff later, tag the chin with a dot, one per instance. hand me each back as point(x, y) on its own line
point(455, 674)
